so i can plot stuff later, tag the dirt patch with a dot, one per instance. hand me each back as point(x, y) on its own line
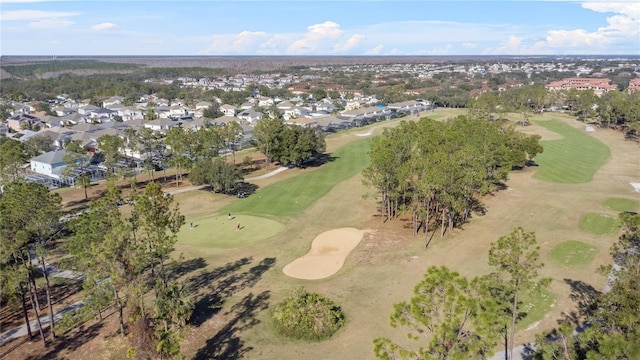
point(327, 254)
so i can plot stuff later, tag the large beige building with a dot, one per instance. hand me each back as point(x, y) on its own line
point(598, 85)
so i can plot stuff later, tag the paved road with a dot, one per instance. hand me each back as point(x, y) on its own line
point(52, 271)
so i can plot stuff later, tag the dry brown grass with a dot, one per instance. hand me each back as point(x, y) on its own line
point(386, 265)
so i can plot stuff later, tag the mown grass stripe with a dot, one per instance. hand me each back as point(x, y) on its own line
point(291, 197)
point(571, 160)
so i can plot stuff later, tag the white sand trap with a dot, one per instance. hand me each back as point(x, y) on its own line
point(327, 254)
point(368, 133)
point(635, 185)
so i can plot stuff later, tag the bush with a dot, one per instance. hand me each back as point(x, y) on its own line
point(307, 316)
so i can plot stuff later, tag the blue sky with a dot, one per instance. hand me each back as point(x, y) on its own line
point(210, 27)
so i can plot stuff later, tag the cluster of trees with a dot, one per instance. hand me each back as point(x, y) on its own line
point(122, 255)
point(287, 144)
point(184, 149)
point(29, 225)
point(612, 324)
point(437, 170)
point(453, 317)
point(614, 108)
point(13, 154)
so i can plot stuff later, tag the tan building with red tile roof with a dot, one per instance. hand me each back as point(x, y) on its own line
point(598, 85)
point(634, 85)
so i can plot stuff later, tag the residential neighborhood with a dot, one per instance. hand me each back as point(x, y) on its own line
point(317, 99)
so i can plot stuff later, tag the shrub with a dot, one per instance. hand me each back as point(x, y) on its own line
point(307, 316)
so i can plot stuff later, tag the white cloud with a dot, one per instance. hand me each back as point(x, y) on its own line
point(245, 39)
point(621, 34)
point(17, 15)
point(317, 34)
point(469, 45)
point(376, 50)
point(353, 41)
point(104, 26)
point(244, 42)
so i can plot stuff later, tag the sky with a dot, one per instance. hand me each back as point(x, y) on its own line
point(317, 27)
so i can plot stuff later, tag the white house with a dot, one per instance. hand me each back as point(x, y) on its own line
point(112, 101)
point(202, 105)
point(50, 164)
point(228, 110)
point(161, 124)
point(250, 115)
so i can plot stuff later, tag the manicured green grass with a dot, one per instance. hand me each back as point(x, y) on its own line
point(291, 197)
point(572, 254)
point(599, 224)
point(535, 304)
point(622, 204)
point(571, 160)
point(219, 232)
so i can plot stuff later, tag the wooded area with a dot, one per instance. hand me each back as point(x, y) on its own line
point(437, 171)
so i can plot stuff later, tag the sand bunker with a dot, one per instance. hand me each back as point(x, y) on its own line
point(327, 254)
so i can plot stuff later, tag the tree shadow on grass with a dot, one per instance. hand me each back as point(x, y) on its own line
point(177, 269)
point(70, 342)
point(212, 287)
point(226, 344)
point(318, 161)
point(585, 297)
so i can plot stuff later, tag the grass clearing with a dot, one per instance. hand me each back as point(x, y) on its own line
point(535, 304)
point(394, 258)
point(220, 232)
point(573, 159)
point(572, 254)
point(291, 197)
point(622, 204)
point(599, 224)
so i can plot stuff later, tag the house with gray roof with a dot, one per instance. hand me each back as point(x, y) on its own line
point(49, 164)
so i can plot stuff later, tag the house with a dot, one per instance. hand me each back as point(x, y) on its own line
point(265, 101)
point(334, 123)
point(101, 114)
point(203, 105)
point(49, 164)
point(194, 124)
point(303, 122)
point(228, 110)
point(285, 105)
point(129, 113)
point(74, 119)
point(63, 111)
point(23, 122)
point(52, 121)
point(250, 115)
point(86, 109)
point(296, 112)
point(112, 101)
point(178, 110)
point(161, 124)
point(634, 85)
point(410, 107)
point(223, 120)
